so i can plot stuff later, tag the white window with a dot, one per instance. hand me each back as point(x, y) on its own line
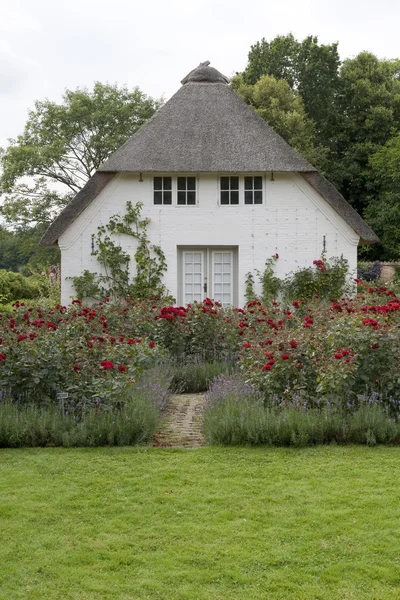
point(162, 190)
point(186, 193)
point(229, 190)
point(253, 190)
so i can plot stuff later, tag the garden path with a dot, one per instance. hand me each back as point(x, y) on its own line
point(182, 427)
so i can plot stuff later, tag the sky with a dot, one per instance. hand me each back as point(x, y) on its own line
point(47, 46)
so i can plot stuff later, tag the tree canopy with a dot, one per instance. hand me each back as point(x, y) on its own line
point(60, 148)
point(308, 67)
point(283, 109)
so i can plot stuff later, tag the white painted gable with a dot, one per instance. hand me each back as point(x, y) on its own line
point(292, 221)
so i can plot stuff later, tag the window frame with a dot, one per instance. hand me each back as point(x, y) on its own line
point(229, 190)
point(186, 190)
point(163, 190)
point(253, 190)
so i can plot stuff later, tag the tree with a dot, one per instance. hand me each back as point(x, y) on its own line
point(63, 144)
point(308, 67)
point(283, 109)
point(368, 117)
point(383, 211)
point(20, 248)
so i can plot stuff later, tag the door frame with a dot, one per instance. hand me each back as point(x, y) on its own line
point(208, 252)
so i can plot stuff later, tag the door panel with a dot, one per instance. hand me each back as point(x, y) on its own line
point(193, 276)
point(222, 270)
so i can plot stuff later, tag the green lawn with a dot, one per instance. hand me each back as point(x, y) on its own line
point(215, 523)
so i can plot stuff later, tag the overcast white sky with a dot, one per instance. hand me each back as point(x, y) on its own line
point(49, 45)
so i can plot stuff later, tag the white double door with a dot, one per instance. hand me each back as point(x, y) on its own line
point(209, 272)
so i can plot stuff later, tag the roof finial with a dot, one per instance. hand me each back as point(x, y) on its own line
point(205, 74)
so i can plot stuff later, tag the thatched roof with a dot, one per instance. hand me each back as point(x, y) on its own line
point(341, 206)
point(206, 127)
point(88, 193)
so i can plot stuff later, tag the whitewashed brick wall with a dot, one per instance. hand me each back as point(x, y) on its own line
point(292, 222)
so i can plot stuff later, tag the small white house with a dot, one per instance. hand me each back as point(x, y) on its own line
point(223, 193)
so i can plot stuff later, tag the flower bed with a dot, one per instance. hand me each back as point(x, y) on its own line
point(308, 354)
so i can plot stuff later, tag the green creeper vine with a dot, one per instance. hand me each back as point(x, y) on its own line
point(270, 284)
point(116, 280)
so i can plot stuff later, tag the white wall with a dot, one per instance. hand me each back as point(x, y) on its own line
point(292, 222)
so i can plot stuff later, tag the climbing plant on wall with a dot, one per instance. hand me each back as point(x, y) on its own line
point(116, 279)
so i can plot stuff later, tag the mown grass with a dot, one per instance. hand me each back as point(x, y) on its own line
point(216, 523)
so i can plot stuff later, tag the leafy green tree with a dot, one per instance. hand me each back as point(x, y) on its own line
point(383, 211)
point(63, 144)
point(368, 117)
point(308, 67)
point(283, 109)
point(19, 248)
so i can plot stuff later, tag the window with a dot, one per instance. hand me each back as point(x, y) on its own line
point(162, 190)
point(253, 190)
point(229, 190)
point(186, 191)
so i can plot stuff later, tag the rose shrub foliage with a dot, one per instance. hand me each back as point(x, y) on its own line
point(294, 351)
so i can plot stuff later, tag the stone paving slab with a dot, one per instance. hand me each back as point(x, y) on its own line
point(182, 427)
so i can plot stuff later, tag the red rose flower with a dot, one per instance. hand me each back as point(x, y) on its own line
point(107, 364)
point(3, 356)
point(90, 344)
point(76, 368)
point(375, 346)
point(121, 368)
point(22, 337)
point(293, 343)
point(295, 304)
point(267, 367)
point(285, 356)
point(152, 344)
point(338, 355)
point(246, 345)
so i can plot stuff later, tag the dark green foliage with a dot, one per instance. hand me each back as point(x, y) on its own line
point(308, 67)
point(283, 109)
point(368, 116)
point(327, 280)
point(13, 286)
point(20, 247)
